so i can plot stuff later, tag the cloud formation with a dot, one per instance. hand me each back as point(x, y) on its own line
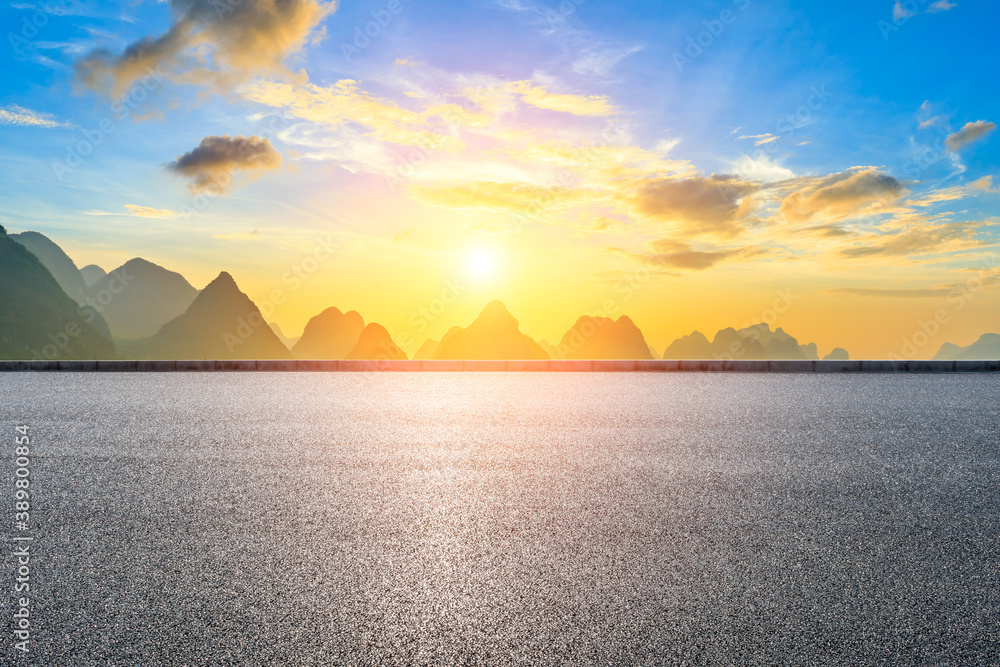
point(713, 204)
point(893, 293)
point(578, 105)
point(841, 195)
point(919, 240)
point(149, 212)
point(760, 139)
point(671, 254)
point(969, 133)
point(216, 43)
point(940, 6)
point(17, 115)
point(212, 165)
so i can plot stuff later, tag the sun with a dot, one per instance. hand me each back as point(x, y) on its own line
point(481, 263)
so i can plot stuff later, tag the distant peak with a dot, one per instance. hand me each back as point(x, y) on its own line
point(375, 331)
point(222, 281)
point(3, 232)
point(138, 261)
point(332, 311)
point(495, 310)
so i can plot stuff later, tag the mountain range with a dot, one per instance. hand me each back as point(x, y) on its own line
point(38, 320)
point(987, 347)
point(50, 309)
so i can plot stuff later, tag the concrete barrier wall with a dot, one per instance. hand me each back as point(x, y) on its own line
point(527, 366)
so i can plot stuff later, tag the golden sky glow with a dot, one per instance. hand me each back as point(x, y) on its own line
point(565, 166)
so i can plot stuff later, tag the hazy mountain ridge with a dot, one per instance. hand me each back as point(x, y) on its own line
point(755, 342)
point(986, 347)
point(140, 299)
point(330, 335)
point(58, 263)
point(221, 323)
point(494, 334)
point(38, 320)
point(374, 342)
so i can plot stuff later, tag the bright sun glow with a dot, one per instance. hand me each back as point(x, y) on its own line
point(480, 263)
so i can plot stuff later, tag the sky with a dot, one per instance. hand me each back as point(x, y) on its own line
point(826, 168)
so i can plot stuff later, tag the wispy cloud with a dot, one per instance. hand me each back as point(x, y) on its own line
point(238, 236)
point(760, 139)
point(940, 6)
point(17, 115)
point(149, 212)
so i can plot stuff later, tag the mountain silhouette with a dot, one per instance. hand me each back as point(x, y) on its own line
point(494, 334)
point(285, 340)
point(603, 338)
point(778, 344)
point(221, 323)
point(426, 349)
point(330, 335)
point(987, 347)
point(692, 346)
point(139, 297)
point(38, 320)
point(837, 354)
point(58, 263)
point(91, 274)
point(753, 342)
point(374, 342)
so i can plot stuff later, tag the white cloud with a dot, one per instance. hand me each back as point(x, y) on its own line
point(15, 115)
point(761, 168)
point(600, 62)
point(760, 139)
point(941, 6)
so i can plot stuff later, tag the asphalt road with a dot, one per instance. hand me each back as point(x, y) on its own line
point(314, 519)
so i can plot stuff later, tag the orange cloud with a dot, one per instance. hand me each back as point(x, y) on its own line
point(668, 253)
point(218, 43)
point(841, 195)
point(920, 240)
point(713, 204)
point(149, 212)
